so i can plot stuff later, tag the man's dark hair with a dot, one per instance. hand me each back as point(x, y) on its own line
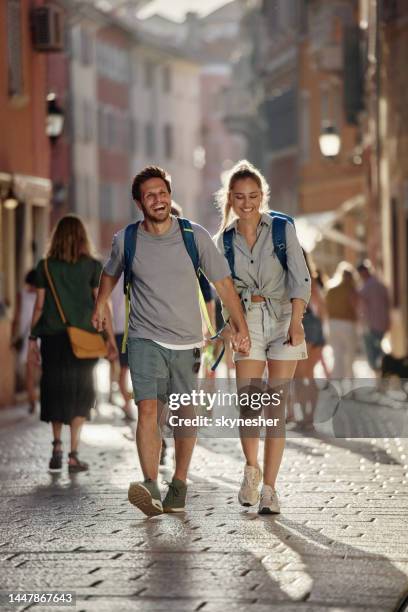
point(148, 173)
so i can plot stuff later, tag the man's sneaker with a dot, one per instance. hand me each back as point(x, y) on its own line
point(269, 503)
point(248, 494)
point(175, 499)
point(146, 496)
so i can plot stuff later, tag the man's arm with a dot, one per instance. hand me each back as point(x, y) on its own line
point(106, 286)
point(229, 297)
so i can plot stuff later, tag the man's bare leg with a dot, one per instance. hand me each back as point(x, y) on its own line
point(148, 439)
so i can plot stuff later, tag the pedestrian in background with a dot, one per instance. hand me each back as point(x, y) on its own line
point(26, 370)
point(342, 310)
point(67, 387)
point(314, 321)
point(274, 299)
point(375, 311)
point(118, 323)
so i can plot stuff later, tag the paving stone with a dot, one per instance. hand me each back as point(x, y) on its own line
point(340, 543)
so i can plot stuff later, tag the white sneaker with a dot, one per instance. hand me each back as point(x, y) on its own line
point(269, 503)
point(248, 494)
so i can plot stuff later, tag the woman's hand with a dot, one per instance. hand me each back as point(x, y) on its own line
point(33, 355)
point(296, 333)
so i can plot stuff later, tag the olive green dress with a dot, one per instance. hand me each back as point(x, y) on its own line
point(67, 385)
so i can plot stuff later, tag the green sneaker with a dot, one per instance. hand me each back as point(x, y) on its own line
point(175, 499)
point(146, 496)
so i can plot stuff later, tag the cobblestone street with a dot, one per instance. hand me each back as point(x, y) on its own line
point(340, 543)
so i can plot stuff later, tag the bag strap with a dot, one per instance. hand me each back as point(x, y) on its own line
point(204, 288)
point(128, 255)
point(227, 238)
point(279, 235)
point(54, 292)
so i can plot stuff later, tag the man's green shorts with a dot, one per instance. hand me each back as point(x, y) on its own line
point(157, 372)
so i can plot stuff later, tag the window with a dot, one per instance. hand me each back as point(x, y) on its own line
point(148, 74)
point(106, 200)
point(85, 47)
point(305, 126)
point(168, 141)
point(87, 121)
point(324, 104)
point(166, 79)
point(150, 144)
point(133, 134)
point(338, 106)
point(14, 51)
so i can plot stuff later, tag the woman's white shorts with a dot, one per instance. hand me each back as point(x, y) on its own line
point(268, 336)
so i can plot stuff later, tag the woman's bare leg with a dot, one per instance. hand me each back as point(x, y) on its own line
point(247, 370)
point(278, 372)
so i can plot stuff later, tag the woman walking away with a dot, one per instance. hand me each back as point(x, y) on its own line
point(274, 286)
point(342, 308)
point(69, 274)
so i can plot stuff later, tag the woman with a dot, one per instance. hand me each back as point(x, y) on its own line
point(314, 321)
point(274, 300)
point(66, 388)
point(342, 308)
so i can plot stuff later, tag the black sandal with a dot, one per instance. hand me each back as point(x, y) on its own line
point(55, 464)
point(78, 466)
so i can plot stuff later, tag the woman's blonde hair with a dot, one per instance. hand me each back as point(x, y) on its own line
point(242, 170)
point(70, 240)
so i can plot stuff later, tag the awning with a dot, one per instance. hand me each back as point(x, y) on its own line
point(314, 227)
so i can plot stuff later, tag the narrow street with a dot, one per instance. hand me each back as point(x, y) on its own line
point(340, 543)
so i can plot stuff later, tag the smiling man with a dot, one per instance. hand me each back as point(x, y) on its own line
point(165, 329)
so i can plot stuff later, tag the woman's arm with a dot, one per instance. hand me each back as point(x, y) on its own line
point(33, 355)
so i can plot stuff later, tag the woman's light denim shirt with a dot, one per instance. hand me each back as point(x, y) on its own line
point(259, 272)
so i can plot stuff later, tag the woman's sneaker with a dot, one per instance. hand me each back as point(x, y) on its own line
point(146, 496)
point(269, 503)
point(248, 494)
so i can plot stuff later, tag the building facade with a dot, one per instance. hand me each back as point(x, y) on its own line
point(24, 167)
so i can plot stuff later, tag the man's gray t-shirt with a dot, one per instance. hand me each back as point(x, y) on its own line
point(164, 295)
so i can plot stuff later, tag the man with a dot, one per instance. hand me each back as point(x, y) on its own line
point(164, 328)
point(375, 304)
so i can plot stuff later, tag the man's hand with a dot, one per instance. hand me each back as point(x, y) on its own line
point(99, 317)
point(296, 333)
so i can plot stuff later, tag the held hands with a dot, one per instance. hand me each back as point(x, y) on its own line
point(296, 333)
point(240, 343)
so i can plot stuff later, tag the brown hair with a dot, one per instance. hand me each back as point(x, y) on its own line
point(69, 240)
point(242, 170)
point(144, 175)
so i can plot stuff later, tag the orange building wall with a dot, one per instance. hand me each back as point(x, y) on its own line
point(24, 146)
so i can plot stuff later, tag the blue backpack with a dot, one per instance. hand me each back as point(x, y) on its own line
point(205, 293)
point(278, 240)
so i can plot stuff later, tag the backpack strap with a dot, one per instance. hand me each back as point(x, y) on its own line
point(227, 238)
point(204, 289)
point(128, 256)
point(279, 235)
point(129, 253)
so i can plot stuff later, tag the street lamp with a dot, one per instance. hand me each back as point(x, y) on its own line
point(55, 118)
point(10, 202)
point(329, 141)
